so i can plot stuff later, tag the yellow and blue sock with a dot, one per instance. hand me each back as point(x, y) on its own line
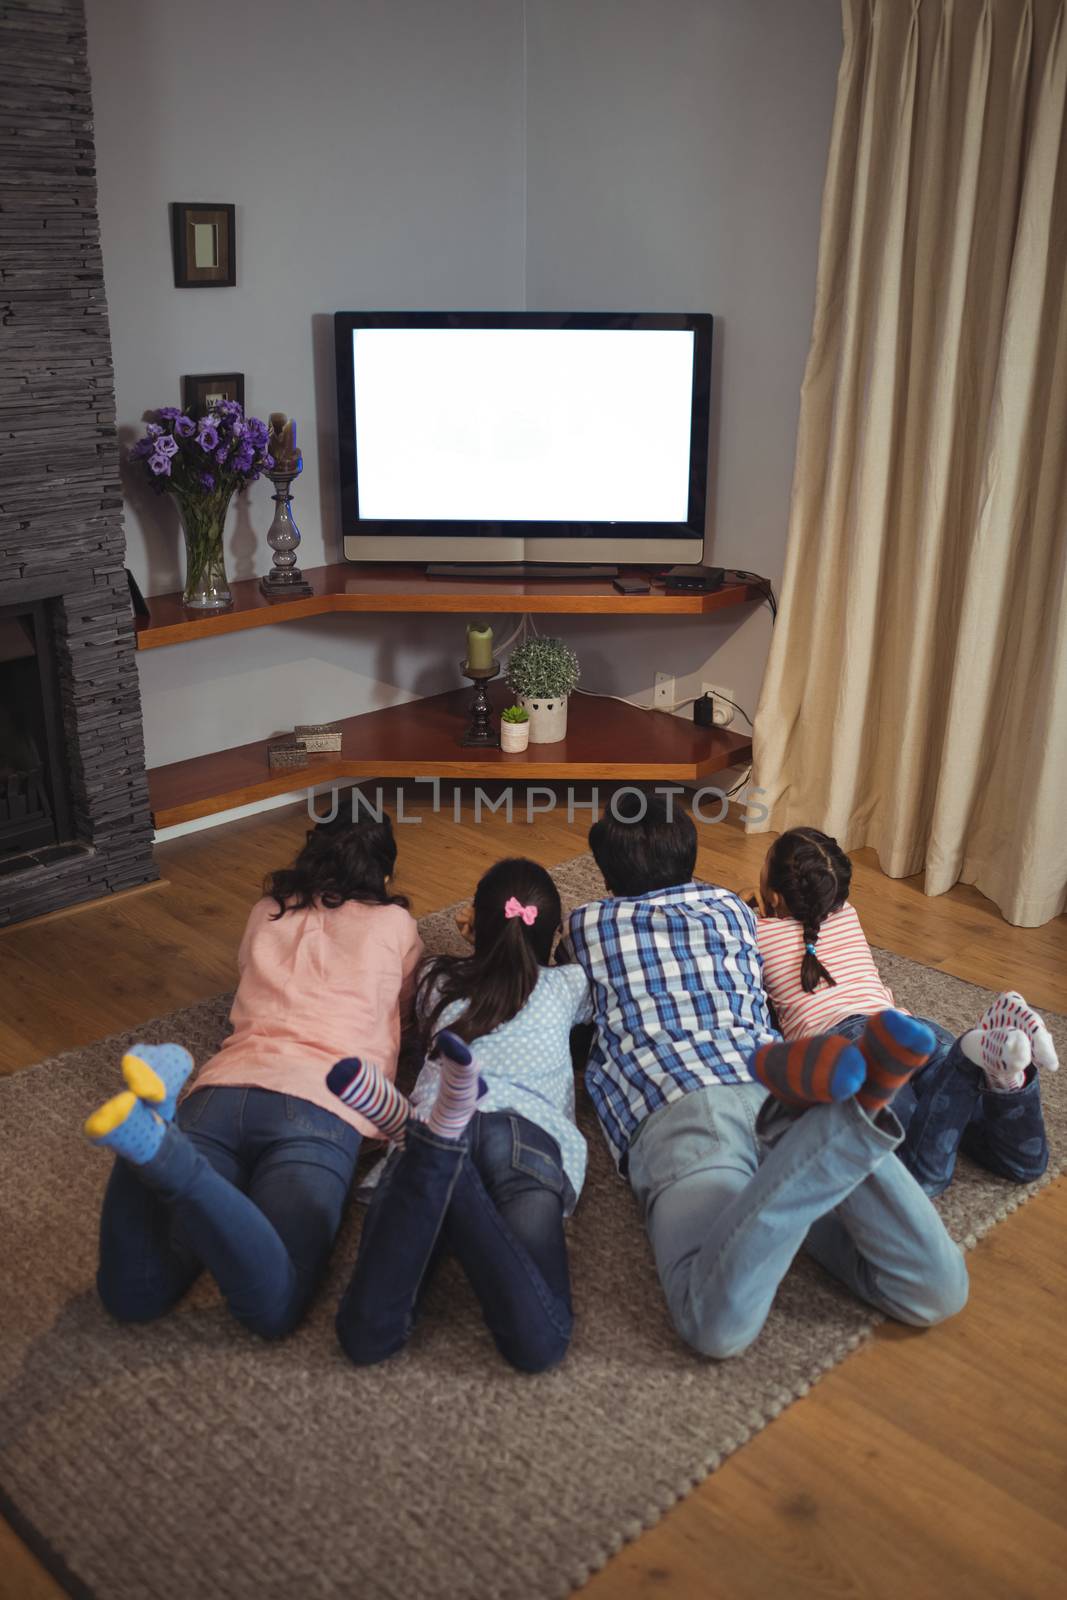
point(156, 1073)
point(124, 1124)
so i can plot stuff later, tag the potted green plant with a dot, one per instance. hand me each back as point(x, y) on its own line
point(541, 674)
point(514, 729)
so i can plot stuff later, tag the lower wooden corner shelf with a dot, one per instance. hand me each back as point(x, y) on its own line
point(606, 741)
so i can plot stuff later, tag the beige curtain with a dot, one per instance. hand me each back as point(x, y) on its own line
point(916, 694)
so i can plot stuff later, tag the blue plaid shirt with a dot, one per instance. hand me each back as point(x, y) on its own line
point(678, 999)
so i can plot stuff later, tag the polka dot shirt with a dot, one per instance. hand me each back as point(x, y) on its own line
point(526, 1065)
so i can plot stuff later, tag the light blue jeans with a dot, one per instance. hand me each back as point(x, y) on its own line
point(729, 1195)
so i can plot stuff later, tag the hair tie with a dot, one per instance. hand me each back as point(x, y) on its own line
point(810, 948)
point(515, 908)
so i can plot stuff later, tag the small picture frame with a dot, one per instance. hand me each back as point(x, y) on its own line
point(205, 246)
point(201, 391)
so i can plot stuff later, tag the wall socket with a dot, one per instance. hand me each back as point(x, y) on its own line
point(722, 712)
point(663, 691)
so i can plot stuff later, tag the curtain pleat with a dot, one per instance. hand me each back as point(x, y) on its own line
point(915, 698)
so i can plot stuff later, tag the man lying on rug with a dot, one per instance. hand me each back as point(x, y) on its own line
point(732, 1180)
point(979, 1094)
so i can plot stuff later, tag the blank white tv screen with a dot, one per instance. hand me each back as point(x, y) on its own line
point(523, 424)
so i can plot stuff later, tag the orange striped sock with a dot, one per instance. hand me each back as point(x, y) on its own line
point(808, 1072)
point(894, 1047)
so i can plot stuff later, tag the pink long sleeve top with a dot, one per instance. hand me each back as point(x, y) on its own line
point(314, 986)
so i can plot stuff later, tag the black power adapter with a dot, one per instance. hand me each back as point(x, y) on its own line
point(704, 712)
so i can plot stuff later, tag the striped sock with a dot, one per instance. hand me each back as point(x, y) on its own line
point(156, 1072)
point(459, 1090)
point(808, 1072)
point(125, 1125)
point(894, 1046)
point(362, 1087)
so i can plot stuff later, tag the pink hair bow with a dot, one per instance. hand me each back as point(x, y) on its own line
point(515, 908)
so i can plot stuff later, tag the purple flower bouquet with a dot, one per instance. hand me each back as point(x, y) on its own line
point(203, 463)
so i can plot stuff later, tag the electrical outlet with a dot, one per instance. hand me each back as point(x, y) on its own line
point(663, 691)
point(722, 712)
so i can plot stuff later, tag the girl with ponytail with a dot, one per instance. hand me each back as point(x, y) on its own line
point(488, 1159)
point(978, 1093)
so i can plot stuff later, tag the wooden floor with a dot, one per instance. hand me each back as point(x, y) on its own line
point(930, 1464)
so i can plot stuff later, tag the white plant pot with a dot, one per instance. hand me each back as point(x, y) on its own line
point(548, 719)
point(514, 736)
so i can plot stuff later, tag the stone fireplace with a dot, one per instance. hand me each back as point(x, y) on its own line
point(74, 819)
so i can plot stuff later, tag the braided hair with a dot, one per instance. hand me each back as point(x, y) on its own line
point(812, 874)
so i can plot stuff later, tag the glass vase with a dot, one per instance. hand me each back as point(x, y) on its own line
point(203, 518)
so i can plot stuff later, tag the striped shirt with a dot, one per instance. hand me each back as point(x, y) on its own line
point(678, 1000)
point(842, 948)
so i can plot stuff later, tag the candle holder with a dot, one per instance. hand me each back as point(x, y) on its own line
point(284, 581)
point(481, 733)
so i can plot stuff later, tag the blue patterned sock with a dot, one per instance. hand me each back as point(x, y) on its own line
point(126, 1126)
point(156, 1072)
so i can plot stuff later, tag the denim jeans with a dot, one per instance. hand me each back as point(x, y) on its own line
point(731, 1185)
point(247, 1183)
point(494, 1198)
point(946, 1108)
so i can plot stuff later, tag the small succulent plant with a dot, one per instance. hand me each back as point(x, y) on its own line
point(515, 714)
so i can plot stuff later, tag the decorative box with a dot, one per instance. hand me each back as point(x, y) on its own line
point(318, 735)
point(287, 752)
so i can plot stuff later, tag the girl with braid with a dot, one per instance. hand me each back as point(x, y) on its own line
point(978, 1093)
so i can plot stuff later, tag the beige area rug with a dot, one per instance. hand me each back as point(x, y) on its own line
point(187, 1459)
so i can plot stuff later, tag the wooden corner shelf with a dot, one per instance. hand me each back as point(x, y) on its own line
point(346, 587)
point(606, 741)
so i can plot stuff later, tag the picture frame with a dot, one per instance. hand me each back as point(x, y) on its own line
point(203, 390)
point(205, 245)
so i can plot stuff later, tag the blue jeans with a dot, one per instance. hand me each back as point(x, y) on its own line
point(247, 1183)
point(946, 1108)
point(731, 1185)
point(495, 1199)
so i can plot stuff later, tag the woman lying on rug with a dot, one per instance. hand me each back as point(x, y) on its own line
point(249, 1175)
point(978, 1093)
point(492, 1160)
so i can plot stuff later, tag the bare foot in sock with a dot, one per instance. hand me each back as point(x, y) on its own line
point(460, 1087)
point(365, 1088)
point(1007, 1040)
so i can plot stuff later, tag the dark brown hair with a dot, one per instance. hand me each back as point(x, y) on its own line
point(500, 975)
point(655, 848)
point(341, 860)
point(812, 874)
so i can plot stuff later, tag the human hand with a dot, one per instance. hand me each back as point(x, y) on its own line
point(465, 923)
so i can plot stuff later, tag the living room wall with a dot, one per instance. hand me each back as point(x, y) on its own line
point(484, 153)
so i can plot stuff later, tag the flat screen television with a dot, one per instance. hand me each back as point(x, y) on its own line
point(528, 437)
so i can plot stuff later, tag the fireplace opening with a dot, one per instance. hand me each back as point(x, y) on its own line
point(34, 800)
